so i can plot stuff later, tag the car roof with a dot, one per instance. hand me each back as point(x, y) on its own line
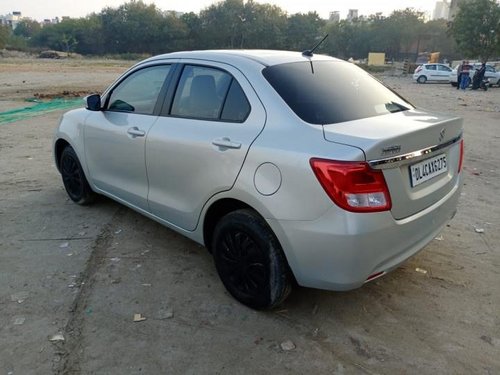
point(264, 57)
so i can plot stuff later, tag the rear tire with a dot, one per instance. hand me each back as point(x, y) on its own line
point(74, 179)
point(422, 79)
point(250, 261)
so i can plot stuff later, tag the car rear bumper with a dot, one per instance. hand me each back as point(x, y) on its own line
point(341, 250)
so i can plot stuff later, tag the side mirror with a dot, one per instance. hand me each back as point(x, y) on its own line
point(93, 102)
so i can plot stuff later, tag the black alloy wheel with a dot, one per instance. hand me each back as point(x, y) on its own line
point(74, 180)
point(249, 260)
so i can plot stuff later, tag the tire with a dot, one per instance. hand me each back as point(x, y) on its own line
point(74, 179)
point(422, 79)
point(250, 261)
point(454, 84)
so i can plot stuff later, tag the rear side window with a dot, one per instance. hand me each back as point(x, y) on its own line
point(209, 94)
point(328, 92)
point(236, 108)
point(430, 67)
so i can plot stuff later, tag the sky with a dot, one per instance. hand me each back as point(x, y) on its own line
point(40, 10)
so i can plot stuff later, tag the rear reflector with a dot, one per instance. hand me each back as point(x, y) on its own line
point(353, 186)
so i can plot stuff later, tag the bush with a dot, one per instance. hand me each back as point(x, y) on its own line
point(127, 56)
point(17, 43)
point(374, 68)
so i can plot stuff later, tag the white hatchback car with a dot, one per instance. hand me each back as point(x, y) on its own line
point(286, 166)
point(491, 74)
point(432, 72)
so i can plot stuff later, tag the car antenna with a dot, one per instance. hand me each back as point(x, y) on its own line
point(309, 52)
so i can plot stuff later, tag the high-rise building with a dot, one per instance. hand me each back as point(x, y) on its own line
point(441, 10)
point(454, 7)
point(11, 19)
point(352, 14)
point(334, 16)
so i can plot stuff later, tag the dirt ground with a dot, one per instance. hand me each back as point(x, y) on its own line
point(73, 277)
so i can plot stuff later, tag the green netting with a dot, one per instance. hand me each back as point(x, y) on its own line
point(38, 109)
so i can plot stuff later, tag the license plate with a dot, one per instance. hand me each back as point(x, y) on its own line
point(427, 169)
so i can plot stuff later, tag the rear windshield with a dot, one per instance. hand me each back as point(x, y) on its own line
point(329, 92)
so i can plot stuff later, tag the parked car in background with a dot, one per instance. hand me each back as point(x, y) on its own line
point(491, 74)
point(286, 166)
point(432, 72)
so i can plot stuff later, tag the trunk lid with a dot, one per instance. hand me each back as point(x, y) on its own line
point(394, 143)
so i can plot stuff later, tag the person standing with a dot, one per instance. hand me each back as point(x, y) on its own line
point(464, 82)
point(459, 74)
point(478, 77)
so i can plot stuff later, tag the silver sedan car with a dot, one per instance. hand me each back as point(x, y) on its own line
point(288, 167)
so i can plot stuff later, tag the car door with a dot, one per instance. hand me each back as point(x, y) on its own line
point(491, 74)
point(443, 73)
point(431, 71)
point(197, 148)
point(115, 137)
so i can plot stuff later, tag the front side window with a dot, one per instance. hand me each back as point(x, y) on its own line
point(138, 93)
point(328, 92)
point(444, 68)
point(209, 94)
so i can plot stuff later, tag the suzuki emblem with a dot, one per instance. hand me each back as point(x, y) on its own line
point(441, 135)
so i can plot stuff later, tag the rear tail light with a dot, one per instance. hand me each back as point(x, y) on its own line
point(461, 157)
point(353, 186)
point(419, 68)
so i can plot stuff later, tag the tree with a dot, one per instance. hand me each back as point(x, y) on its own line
point(303, 31)
point(89, 34)
point(348, 39)
point(231, 14)
point(382, 36)
point(476, 28)
point(27, 28)
point(406, 27)
point(4, 35)
point(63, 36)
point(435, 38)
point(264, 26)
point(192, 23)
point(68, 42)
point(136, 27)
point(247, 25)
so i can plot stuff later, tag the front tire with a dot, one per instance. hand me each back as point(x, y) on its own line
point(74, 179)
point(250, 261)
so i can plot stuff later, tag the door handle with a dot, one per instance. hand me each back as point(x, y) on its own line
point(226, 143)
point(136, 132)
